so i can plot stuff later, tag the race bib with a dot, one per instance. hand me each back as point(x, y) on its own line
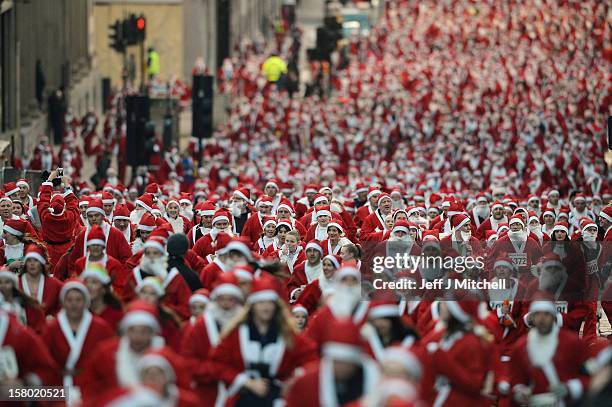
point(8, 363)
point(561, 306)
point(544, 400)
point(519, 259)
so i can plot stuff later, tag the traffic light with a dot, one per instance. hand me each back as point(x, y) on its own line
point(141, 28)
point(116, 36)
point(202, 106)
point(134, 29)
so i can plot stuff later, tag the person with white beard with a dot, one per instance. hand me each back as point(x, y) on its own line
point(535, 229)
point(239, 209)
point(186, 206)
point(539, 373)
point(461, 242)
point(313, 293)
point(203, 336)
point(143, 204)
point(578, 212)
point(397, 199)
point(481, 210)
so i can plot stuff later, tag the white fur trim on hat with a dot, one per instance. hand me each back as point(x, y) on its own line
point(336, 225)
point(269, 221)
point(299, 308)
point(264, 295)
point(198, 298)
point(134, 318)
point(36, 256)
point(153, 360)
point(239, 247)
point(342, 352)
point(324, 213)
point(9, 274)
point(22, 183)
point(560, 227)
point(497, 205)
point(12, 231)
point(95, 209)
point(11, 192)
point(101, 277)
point(384, 311)
point(243, 196)
point(516, 220)
point(75, 285)
point(319, 199)
point(118, 217)
point(605, 216)
point(210, 212)
point(543, 306)
point(285, 206)
point(154, 245)
point(347, 271)
point(220, 217)
point(91, 242)
point(152, 283)
point(145, 228)
point(226, 289)
point(455, 309)
point(579, 198)
point(374, 192)
point(551, 263)
point(333, 259)
point(144, 205)
point(505, 263)
point(400, 229)
point(314, 245)
point(410, 362)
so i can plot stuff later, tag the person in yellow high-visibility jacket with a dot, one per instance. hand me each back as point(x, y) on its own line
point(152, 63)
point(274, 67)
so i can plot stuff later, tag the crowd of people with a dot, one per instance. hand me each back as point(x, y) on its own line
point(244, 273)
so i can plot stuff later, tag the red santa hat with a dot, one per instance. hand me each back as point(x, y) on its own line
point(74, 284)
point(140, 313)
point(284, 203)
point(579, 198)
point(146, 201)
point(175, 200)
point(606, 213)
point(561, 226)
point(155, 242)
point(586, 223)
point(343, 342)
point(35, 252)
point(503, 260)
point(152, 188)
point(383, 309)
point(22, 183)
point(121, 213)
point(243, 193)
point(199, 295)
point(311, 189)
point(57, 205)
point(324, 211)
point(226, 284)
point(84, 201)
point(157, 358)
point(10, 188)
point(205, 209)
point(347, 269)
point(284, 222)
point(373, 190)
point(401, 226)
point(147, 223)
point(96, 236)
point(497, 205)
point(243, 273)
point(185, 198)
point(107, 198)
point(551, 259)
point(264, 289)
point(336, 224)
point(316, 245)
point(6, 273)
point(320, 199)
point(239, 245)
point(299, 309)
point(15, 227)
point(464, 310)
point(459, 220)
point(272, 183)
point(220, 215)
point(95, 206)
point(516, 219)
point(268, 220)
point(334, 259)
point(490, 235)
point(410, 362)
point(360, 187)
point(382, 197)
point(324, 189)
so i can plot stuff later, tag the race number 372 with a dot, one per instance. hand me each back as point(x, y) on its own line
point(45, 393)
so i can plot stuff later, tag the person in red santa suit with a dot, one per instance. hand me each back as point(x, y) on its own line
point(240, 208)
point(535, 229)
point(307, 201)
point(461, 242)
point(205, 212)
point(219, 262)
point(272, 190)
point(24, 193)
point(200, 339)
point(310, 298)
point(307, 271)
point(121, 220)
point(522, 249)
point(114, 361)
point(461, 358)
point(344, 301)
point(103, 301)
point(605, 223)
point(25, 308)
point(116, 245)
point(26, 351)
point(285, 212)
point(180, 224)
point(270, 349)
point(154, 263)
point(344, 374)
point(375, 221)
point(96, 253)
point(75, 333)
point(291, 253)
point(366, 210)
point(108, 204)
point(335, 238)
point(197, 305)
point(310, 217)
point(548, 222)
point(144, 229)
point(144, 204)
point(207, 244)
point(480, 212)
point(253, 225)
point(579, 211)
point(35, 282)
point(59, 216)
point(268, 235)
point(492, 223)
point(318, 230)
point(547, 362)
point(11, 253)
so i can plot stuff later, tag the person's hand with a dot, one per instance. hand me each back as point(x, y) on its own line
point(15, 265)
point(560, 390)
point(522, 394)
point(52, 175)
point(258, 386)
point(285, 251)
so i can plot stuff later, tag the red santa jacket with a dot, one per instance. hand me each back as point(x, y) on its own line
point(31, 353)
point(116, 245)
point(236, 352)
point(375, 222)
point(210, 273)
point(323, 320)
point(198, 341)
point(72, 351)
point(252, 228)
point(47, 294)
point(299, 276)
point(361, 214)
point(541, 362)
point(522, 259)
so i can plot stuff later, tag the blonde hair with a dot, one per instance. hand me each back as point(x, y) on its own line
point(295, 233)
point(282, 317)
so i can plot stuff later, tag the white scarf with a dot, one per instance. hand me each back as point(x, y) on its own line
point(13, 251)
point(312, 273)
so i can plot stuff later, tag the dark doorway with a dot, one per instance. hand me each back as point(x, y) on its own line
point(223, 30)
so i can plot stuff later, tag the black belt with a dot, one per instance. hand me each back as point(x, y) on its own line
point(58, 243)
